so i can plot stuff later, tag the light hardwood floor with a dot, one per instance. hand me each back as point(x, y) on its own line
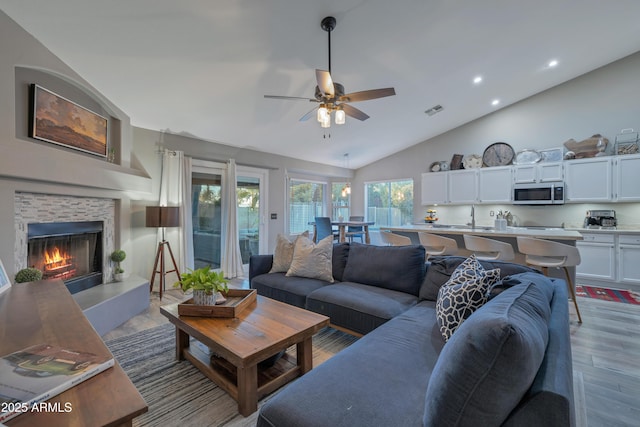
point(606, 356)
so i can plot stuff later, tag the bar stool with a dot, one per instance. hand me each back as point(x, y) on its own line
point(435, 245)
point(392, 239)
point(489, 249)
point(545, 254)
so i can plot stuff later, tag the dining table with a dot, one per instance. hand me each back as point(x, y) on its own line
point(342, 229)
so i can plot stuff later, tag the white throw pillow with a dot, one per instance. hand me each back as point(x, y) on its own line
point(312, 260)
point(283, 254)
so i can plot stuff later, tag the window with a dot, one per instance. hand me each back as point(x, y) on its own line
point(389, 203)
point(306, 201)
point(340, 200)
point(207, 217)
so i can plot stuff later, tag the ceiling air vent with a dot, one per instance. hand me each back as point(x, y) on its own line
point(433, 110)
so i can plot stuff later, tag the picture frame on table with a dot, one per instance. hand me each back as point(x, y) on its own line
point(55, 119)
point(5, 283)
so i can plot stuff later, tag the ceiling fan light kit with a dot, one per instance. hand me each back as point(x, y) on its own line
point(330, 95)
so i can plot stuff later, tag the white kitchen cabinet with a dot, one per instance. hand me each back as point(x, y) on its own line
point(597, 254)
point(539, 172)
point(629, 258)
point(627, 178)
point(463, 186)
point(434, 188)
point(589, 180)
point(494, 185)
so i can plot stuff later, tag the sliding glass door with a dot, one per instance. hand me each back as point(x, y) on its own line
point(249, 215)
point(209, 202)
point(206, 204)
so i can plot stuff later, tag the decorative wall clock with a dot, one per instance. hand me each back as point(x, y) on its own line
point(498, 154)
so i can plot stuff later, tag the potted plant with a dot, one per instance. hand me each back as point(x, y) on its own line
point(28, 275)
point(117, 257)
point(205, 283)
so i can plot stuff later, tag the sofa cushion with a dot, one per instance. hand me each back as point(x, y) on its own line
point(487, 366)
point(465, 292)
point(399, 268)
point(312, 260)
point(283, 253)
point(441, 268)
point(292, 290)
point(339, 260)
point(357, 307)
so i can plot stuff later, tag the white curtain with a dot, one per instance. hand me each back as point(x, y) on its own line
point(231, 262)
point(175, 190)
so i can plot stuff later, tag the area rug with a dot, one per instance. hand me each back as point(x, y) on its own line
point(607, 294)
point(179, 394)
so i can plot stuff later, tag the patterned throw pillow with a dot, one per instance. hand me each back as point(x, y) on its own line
point(283, 254)
point(465, 292)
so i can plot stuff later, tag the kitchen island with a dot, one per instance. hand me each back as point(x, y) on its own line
point(456, 232)
point(551, 233)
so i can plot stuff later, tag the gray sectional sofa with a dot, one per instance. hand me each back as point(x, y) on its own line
point(508, 364)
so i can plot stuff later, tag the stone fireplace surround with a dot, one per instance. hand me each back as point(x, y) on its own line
point(108, 305)
point(43, 208)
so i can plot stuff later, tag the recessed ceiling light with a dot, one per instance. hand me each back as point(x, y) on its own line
point(553, 63)
point(477, 80)
point(495, 102)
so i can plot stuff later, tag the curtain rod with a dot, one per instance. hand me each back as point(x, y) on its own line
point(237, 164)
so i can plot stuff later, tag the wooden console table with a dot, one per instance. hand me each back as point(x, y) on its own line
point(45, 312)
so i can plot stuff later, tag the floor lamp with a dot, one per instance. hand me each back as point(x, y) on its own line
point(162, 217)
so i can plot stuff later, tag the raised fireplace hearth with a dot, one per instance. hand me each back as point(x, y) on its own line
point(69, 251)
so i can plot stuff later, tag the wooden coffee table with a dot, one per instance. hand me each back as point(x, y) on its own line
point(259, 332)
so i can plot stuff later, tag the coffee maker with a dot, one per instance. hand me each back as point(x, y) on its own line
point(600, 219)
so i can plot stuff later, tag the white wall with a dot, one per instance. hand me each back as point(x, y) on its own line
point(603, 101)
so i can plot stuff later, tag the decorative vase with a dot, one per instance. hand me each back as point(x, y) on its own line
point(118, 277)
point(201, 297)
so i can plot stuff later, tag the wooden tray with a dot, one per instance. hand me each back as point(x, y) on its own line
point(237, 300)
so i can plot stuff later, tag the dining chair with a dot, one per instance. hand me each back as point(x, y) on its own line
point(355, 230)
point(392, 239)
point(324, 229)
point(545, 254)
point(489, 249)
point(436, 245)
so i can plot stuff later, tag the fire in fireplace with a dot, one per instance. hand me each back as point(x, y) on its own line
point(70, 251)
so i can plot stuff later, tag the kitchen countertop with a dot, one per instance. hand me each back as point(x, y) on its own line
point(546, 233)
point(619, 230)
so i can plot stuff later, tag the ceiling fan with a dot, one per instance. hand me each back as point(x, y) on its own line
point(330, 95)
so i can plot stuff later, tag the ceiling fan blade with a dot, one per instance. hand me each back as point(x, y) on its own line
point(325, 83)
point(366, 95)
point(292, 98)
point(354, 112)
point(308, 115)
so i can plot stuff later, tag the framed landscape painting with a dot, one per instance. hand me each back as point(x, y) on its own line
point(57, 120)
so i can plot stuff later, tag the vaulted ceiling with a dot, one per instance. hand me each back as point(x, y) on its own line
point(202, 68)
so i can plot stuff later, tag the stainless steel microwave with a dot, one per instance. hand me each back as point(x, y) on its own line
point(543, 193)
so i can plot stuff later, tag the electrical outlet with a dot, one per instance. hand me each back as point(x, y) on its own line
point(492, 213)
point(274, 216)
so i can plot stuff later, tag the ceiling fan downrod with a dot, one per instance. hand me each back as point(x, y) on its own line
point(328, 24)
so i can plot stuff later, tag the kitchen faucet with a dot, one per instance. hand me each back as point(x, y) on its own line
point(473, 217)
